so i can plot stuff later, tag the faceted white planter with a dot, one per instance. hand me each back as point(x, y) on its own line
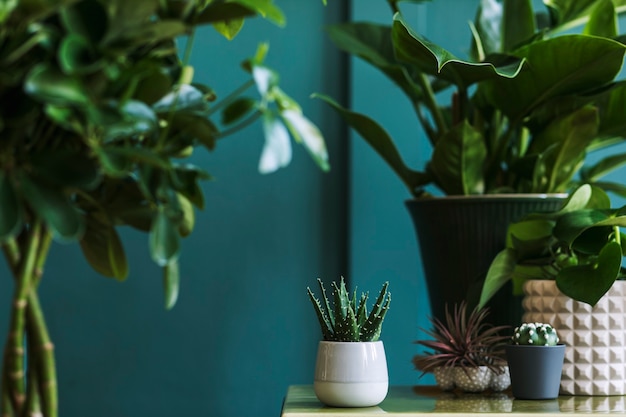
point(595, 358)
point(351, 374)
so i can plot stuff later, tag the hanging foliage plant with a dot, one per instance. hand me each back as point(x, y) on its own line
point(99, 116)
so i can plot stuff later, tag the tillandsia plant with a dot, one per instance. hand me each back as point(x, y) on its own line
point(348, 320)
point(581, 247)
point(464, 340)
point(535, 334)
point(539, 90)
point(99, 116)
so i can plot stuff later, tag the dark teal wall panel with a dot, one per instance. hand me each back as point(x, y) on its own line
point(243, 329)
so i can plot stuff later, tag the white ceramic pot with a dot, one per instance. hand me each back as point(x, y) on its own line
point(351, 374)
point(595, 358)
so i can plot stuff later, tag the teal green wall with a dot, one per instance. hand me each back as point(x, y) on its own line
point(383, 245)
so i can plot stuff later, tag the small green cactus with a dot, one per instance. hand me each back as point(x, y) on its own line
point(535, 334)
point(349, 321)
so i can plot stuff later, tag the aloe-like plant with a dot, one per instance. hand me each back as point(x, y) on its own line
point(348, 320)
point(581, 247)
point(464, 341)
point(539, 90)
point(99, 117)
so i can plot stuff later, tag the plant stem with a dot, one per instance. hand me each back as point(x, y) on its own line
point(231, 97)
point(431, 104)
point(246, 122)
point(14, 351)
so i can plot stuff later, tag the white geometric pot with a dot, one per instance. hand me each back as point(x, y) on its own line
point(351, 374)
point(595, 358)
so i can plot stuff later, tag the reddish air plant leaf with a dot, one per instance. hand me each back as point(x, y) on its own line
point(464, 340)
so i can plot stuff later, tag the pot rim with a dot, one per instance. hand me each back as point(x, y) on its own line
point(505, 196)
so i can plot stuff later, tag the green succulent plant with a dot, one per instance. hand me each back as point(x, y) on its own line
point(464, 340)
point(348, 320)
point(539, 90)
point(581, 247)
point(535, 334)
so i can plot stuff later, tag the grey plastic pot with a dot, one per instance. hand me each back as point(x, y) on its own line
point(535, 370)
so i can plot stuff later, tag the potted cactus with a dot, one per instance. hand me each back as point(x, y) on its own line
point(351, 367)
point(466, 352)
point(535, 359)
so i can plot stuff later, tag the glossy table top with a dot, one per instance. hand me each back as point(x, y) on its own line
point(417, 401)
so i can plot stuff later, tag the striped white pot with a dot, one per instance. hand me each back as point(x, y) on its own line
point(595, 356)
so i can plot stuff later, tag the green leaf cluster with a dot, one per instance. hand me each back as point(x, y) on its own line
point(581, 247)
point(348, 320)
point(538, 92)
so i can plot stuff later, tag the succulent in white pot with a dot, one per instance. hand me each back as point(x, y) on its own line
point(351, 366)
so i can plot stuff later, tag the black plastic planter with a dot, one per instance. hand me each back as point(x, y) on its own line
point(535, 370)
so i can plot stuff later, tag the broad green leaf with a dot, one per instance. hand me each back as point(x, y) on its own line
point(11, 213)
point(603, 20)
point(48, 84)
point(238, 109)
point(171, 284)
point(487, 32)
point(518, 23)
point(569, 64)
point(611, 106)
point(53, 207)
point(382, 143)
point(592, 240)
point(265, 8)
point(229, 28)
point(164, 238)
point(87, 19)
point(589, 283)
point(66, 168)
point(570, 225)
point(499, 273)
point(372, 43)
point(435, 60)
point(196, 127)
point(277, 148)
point(563, 145)
point(102, 247)
point(6, 7)
point(185, 179)
point(458, 161)
point(306, 133)
point(189, 216)
point(222, 12)
point(532, 229)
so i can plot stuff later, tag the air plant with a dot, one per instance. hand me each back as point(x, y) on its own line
point(349, 321)
point(464, 341)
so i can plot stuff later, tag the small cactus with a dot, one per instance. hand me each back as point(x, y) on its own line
point(535, 334)
point(349, 321)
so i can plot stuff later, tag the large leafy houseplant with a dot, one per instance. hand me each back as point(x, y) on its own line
point(581, 247)
point(99, 116)
point(537, 93)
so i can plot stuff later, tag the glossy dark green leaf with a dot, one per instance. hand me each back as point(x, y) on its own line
point(372, 43)
point(487, 36)
point(603, 20)
point(518, 23)
point(592, 240)
point(185, 179)
point(11, 213)
point(171, 284)
point(435, 60)
point(238, 109)
point(76, 56)
point(382, 143)
point(53, 207)
point(66, 168)
point(197, 127)
point(588, 283)
point(458, 161)
point(570, 225)
point(86, 18)
point(46, 83)
point(222, 12)
point(499, 273)
point(164, 238)
point(102, 247)
point(559, 66)
point(186, 97)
